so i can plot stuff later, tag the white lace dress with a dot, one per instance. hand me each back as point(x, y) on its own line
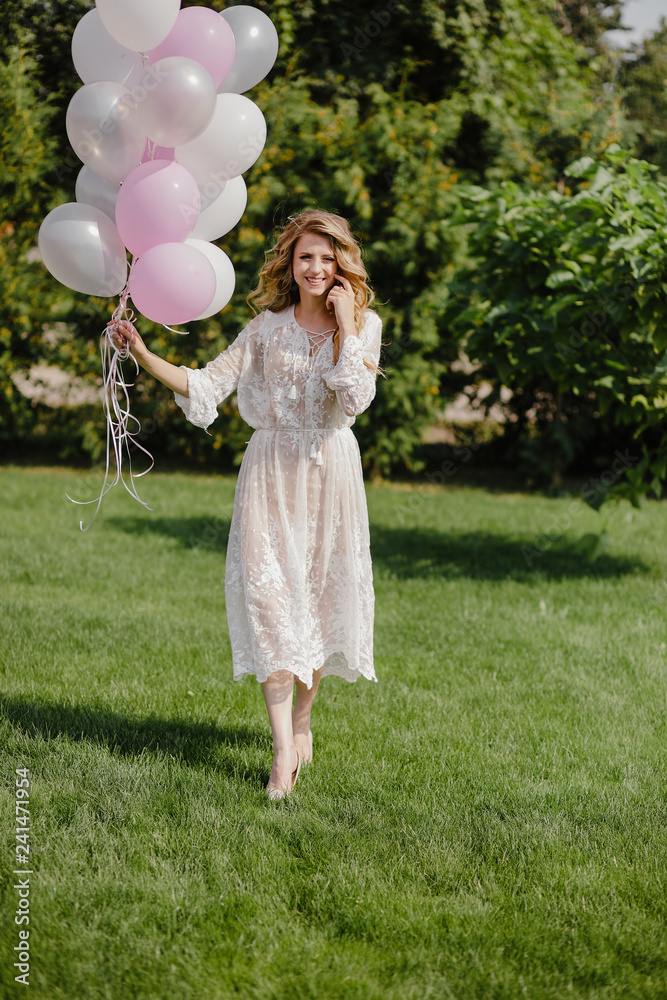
point(298, 580)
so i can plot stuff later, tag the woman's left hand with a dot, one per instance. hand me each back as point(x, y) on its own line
point(341, 300)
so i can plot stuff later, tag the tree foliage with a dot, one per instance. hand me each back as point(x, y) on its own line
point(644, 79)
point(567, 308)
point(588, 20)
point(26, 166)
point(381, 113)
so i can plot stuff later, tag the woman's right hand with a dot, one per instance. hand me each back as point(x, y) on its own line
point(124, 336)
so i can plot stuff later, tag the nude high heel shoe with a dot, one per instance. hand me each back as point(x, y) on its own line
point(275, 794)
point(308, 754)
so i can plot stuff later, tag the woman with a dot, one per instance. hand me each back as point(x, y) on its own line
point(298, 579)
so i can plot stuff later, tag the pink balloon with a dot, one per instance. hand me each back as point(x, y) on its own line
point(172, 283)
point(153, 152)
point(158, 203)
point(199, 35)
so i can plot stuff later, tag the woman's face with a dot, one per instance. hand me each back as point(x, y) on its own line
point(313, 264)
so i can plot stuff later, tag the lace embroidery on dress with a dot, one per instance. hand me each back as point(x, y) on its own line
point(298, 578)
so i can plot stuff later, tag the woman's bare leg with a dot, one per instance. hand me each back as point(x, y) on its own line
point(301, 714)
point(278, 697)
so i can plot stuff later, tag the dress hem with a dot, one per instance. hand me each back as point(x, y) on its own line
point(350, 676)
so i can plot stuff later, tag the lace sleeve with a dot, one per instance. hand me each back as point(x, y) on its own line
point(209, 386)
point(352, 380)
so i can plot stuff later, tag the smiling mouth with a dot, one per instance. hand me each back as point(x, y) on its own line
point(314, 281)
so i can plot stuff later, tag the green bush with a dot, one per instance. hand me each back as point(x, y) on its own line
point(566, 306)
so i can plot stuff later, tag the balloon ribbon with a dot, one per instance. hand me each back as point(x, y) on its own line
point(116, 401)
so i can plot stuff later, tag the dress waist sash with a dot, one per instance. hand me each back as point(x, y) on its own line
point(315, 446)
point(303, 430)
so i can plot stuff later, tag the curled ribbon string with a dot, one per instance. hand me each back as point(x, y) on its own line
point(182, 333)
point(116, 402)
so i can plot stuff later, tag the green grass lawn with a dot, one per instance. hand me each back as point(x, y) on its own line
point(488, 821)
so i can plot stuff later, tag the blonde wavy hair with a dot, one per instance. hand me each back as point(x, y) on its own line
point(277, 289)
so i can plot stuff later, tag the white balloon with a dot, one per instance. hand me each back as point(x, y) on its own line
point(81, 248)
point(103, 129)
point(91, 189)
point(179, 104)
point(225, 279)
point(229, 145)
point(223, 213)
point(139, 25)
point(256, 42)
point(98, 56)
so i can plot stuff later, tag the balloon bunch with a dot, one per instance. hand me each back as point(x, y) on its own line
point(165, 134)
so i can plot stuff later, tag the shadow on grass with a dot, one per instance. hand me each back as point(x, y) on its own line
point(196, 744)
point(409, 553)
point(210, 533)
point(413, 553)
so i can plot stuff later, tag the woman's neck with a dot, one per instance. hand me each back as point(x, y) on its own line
point(313, 315)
